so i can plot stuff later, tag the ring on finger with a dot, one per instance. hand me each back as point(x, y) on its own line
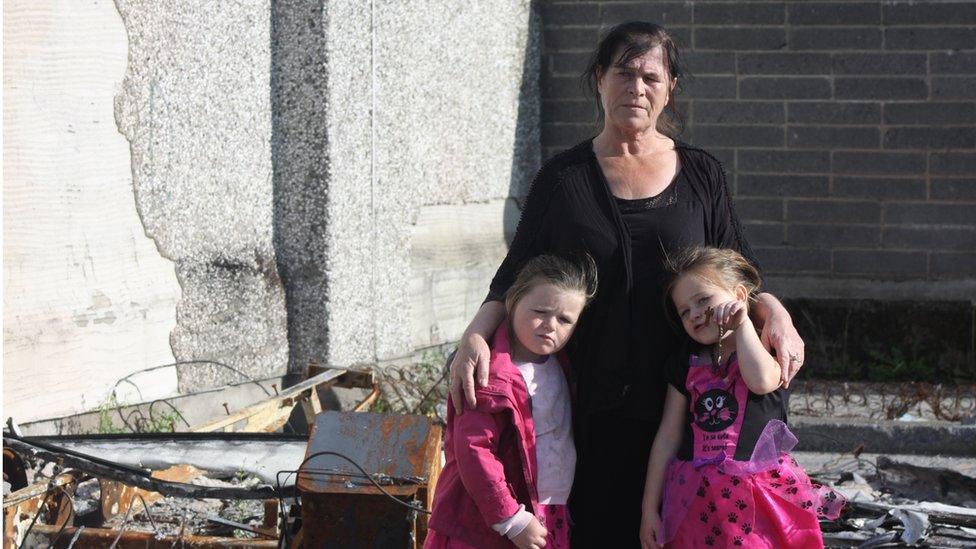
point(795, 358)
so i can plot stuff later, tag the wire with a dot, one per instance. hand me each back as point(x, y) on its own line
point(34, 520)
point(430, 391)
point(125, 522)
point(76, 536)
point(71, 501)
point(40, 509)
point(298, 472)
point(168, 403)
point(188, 363)
point(283, 539)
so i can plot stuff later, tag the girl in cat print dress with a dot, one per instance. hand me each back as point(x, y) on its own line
point(720, 473)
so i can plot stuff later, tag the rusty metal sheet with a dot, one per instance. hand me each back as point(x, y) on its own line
point(101, 537)
point(399, 450)
point(341, 507)
point(354, 521)
point(22, 506)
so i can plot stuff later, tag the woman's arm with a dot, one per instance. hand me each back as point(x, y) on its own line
point(666, 445)
point(779, 335)
point(471, 358)
point(472, 354)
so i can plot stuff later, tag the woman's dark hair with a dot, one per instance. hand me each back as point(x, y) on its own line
point(632, 40)
point(574, 273)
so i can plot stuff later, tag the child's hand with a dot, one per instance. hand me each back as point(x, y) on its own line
point(731, 314)
point(532, 536)
point(650, 530)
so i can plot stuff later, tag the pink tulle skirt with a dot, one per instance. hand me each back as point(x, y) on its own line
point(768, 501)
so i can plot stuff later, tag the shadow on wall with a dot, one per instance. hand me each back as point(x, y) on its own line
point(299, 144)
point(526, 154)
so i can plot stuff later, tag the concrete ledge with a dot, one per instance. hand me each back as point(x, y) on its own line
point(884, 437)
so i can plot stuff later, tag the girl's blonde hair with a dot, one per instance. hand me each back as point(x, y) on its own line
point(721, 266)
point(575, 273)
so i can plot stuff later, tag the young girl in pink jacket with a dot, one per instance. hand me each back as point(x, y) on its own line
point(510, 461)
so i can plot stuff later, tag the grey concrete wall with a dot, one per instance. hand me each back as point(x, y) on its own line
point(303, 179)
point(426, 128)
point(457, 138)
point(196, 110)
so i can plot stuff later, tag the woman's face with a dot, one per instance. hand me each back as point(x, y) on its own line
point(633, 95)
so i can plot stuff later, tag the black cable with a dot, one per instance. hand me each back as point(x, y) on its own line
point(40, 510)
point(170, 404)
point(298, 472)
point(57, 536)
point(36, 516)
point(187, 363)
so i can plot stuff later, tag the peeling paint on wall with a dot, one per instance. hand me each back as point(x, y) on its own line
point(87, 297)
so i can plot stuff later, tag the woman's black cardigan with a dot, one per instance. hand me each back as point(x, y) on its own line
point(570, 209)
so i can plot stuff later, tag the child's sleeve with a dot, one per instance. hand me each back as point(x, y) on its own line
point(476, 437)
point(676, 371)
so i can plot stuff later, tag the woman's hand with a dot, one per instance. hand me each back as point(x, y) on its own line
point(779, 334)
point(470, 360)
point(532, 536)
point(650, 530)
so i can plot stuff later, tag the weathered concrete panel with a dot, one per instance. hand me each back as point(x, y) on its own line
point(87, 297)
point(456, 103)
point(424, 104)
point(455, 251)
point(196, 110)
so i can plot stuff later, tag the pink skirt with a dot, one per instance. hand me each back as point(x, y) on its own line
point(554, 517)
point(768, 501)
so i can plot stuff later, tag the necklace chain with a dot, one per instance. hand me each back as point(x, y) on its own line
point(717, 349)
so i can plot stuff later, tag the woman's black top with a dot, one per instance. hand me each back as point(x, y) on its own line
point(624, 337)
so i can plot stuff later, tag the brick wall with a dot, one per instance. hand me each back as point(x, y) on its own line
point(848, 129)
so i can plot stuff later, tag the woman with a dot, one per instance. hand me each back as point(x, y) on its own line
point(628, 197)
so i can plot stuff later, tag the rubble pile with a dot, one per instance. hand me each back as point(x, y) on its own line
point(233, 480)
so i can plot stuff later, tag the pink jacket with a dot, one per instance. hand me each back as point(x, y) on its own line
point(490, 466)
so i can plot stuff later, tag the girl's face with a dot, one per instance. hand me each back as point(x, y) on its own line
point(543, 320)
point(694, 297)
